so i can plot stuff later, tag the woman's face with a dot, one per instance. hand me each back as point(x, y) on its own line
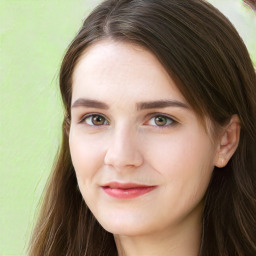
point(142, 158)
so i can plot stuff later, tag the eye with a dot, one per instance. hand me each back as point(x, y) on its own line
point(95, 120)
point(161, 120)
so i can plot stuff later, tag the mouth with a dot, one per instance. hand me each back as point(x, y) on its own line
point(126, 190)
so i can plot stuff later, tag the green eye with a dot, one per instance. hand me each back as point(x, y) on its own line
point(161, 120)
point(95, 120)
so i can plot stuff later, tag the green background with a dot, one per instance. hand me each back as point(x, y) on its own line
point(34, 35)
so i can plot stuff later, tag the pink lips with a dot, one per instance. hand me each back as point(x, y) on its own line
point(126, 190)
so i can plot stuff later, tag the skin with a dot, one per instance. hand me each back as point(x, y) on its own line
point(173, 152)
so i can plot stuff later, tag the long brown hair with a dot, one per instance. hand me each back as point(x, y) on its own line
point(204, 54)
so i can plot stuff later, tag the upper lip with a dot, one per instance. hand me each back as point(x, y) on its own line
point(118, 185)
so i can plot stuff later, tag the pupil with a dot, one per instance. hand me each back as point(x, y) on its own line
point(98, 120)
point(160, 120)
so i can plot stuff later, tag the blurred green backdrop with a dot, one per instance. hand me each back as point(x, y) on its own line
point(33, 38)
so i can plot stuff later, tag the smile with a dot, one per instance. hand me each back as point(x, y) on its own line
point(126, 190)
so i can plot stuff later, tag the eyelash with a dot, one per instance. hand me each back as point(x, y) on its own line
point(91, 115)
point(170, 120)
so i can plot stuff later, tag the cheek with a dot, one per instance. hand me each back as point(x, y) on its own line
point(86, 157)
point(179, 150)
point(185, 163)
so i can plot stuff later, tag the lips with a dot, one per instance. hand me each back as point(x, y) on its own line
point(126, 190)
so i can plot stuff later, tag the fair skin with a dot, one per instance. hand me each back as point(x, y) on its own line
point(130, 124)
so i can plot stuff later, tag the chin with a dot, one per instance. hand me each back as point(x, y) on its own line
point(127, 225)
point(124, 230)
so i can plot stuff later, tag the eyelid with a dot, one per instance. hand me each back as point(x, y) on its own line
point(173, 119)
point(82, 119)
point(148, 117)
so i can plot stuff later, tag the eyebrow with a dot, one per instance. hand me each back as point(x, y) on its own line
point(82, 102)
point(161, 104)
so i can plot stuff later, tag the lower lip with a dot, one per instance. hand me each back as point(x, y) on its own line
point(127, 193)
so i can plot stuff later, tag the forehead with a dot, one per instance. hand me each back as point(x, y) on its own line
point(122, 69)
point(122, 74)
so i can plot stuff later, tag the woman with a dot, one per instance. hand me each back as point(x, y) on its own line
point(158, 150)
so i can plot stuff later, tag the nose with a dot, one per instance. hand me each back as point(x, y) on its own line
point(123, 150)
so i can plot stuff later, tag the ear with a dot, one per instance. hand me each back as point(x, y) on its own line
point(228, 142)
